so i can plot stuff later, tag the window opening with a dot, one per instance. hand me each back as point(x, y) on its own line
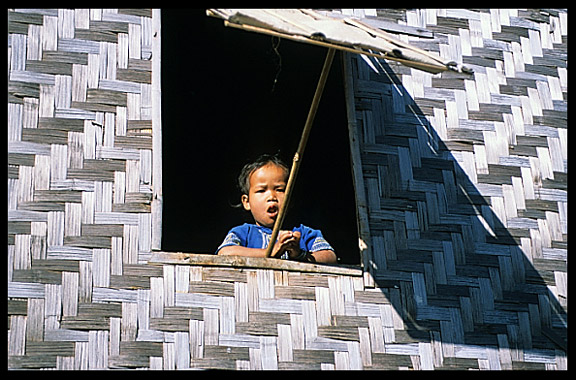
point(229, 96)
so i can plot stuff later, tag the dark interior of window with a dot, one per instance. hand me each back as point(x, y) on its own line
point(229, 96)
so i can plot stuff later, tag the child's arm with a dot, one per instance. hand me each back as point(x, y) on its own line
point(325, 256)
point(238, 250)
point(285, 242)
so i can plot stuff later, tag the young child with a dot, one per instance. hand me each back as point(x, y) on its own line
point(263, 184)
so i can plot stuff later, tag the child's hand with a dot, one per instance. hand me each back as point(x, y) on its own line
point(287, 241)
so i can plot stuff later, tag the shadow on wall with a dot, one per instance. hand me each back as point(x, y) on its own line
point(451, 269)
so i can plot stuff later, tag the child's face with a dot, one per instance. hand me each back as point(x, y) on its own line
point(266, 194)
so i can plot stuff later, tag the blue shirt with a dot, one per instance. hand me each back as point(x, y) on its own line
point(255, 236)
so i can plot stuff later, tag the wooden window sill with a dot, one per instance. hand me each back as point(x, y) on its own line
point(179, 258)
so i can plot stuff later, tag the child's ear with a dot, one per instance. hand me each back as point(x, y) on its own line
point(245, 202)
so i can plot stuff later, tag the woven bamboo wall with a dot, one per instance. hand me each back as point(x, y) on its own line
point(466, 185)
point(464, 178)
point(79, 176)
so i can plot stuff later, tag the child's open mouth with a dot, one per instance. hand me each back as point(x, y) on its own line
point(272, 211)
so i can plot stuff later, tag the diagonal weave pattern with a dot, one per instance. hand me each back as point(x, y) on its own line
point(464, 177)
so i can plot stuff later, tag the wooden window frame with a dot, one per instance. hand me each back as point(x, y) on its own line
point(179, 258)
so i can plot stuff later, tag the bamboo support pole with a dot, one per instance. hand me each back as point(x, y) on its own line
point(301, 146)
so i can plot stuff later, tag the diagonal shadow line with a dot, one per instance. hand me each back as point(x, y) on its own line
point(485, 293)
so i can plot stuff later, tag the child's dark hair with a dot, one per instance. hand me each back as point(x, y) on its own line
point(248, 169)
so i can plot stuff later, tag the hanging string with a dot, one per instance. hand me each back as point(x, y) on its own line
point(275, 45)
